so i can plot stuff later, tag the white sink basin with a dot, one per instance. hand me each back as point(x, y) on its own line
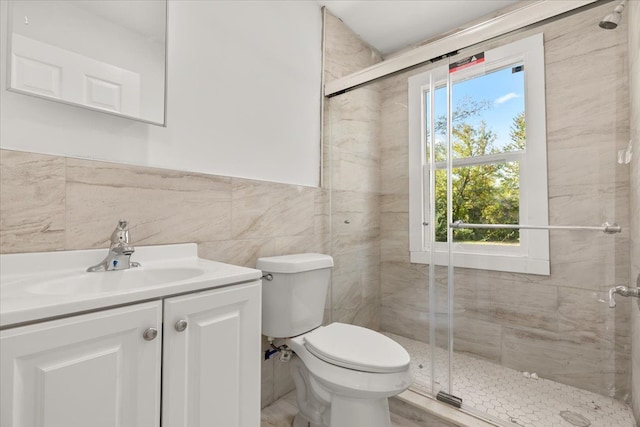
point(38, 286)
point(91, 283)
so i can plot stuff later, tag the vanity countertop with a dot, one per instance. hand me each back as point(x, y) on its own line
point(45, 285)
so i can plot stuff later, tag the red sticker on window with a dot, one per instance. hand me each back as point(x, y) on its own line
point(466, 62)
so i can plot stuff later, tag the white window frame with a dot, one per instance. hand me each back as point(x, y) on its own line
point(532, 254)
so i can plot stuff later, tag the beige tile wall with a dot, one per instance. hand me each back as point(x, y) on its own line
point(634, 91)
point(55, 203)
point(32, 202)
point(556, 325)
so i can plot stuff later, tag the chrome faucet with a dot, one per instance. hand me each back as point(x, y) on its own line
point(119, 256)
point(624, 291)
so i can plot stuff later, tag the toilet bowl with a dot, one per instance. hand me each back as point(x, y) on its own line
point(344, 374)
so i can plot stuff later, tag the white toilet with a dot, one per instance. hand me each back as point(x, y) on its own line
point(343, 373)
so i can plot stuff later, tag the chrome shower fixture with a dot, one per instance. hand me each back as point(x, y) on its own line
point(612, 20)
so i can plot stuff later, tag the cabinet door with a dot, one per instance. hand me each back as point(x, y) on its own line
point(89, 370)
point(211, 370)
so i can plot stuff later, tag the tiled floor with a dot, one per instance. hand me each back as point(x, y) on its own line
point(512, 398)
point(282, 411)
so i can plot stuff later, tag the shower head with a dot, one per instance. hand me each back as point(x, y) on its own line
point(612, 20)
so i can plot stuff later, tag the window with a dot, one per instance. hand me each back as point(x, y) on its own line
point(477, 154)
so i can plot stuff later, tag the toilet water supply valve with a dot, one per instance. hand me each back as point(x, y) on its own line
point(285, 352)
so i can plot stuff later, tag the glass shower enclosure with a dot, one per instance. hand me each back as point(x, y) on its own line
point(488, 258)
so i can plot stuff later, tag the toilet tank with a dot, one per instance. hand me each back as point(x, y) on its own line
point(293, 302)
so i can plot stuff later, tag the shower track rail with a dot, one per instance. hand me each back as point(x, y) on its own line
point(606, 228)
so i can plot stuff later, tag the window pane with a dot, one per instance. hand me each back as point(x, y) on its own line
point(441, 123)
point(482, 194)
point(441, 205)
point(488, 113)
point(426, 99)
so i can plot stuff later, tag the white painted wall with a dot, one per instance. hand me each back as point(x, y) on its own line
point(243, 98)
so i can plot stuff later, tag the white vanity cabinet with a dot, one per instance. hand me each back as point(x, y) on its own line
point(87, 370)
point(104, 368)
point(211, 358)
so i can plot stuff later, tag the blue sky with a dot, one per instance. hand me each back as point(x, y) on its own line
point(504, 91)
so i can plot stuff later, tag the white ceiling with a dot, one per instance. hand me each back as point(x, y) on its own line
point(391, 25)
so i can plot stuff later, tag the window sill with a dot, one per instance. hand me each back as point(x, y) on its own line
point(507, 263)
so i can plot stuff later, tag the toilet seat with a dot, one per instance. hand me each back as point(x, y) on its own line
point(346, 381)
point(357, 348)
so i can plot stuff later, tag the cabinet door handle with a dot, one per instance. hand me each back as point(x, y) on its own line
point(150, 334)
point(181, 325)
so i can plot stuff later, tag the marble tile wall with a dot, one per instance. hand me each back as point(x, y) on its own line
point(50, 203)
point(634, 91)
point(554, 325)
point(352, 172)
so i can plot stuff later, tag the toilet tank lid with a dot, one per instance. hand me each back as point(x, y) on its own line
point(294, 263)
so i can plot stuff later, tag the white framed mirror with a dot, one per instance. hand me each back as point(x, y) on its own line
point(104, 55)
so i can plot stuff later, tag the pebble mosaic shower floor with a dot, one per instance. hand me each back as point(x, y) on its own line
point(514, 398)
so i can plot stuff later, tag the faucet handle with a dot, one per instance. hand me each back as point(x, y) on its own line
point(121, 233)
point(120, 251)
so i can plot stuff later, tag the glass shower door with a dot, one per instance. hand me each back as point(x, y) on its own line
point(374, 282)
point(544, 347)
point(436, 99)
point(351, 176)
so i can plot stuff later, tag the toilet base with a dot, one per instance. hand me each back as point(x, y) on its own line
point(349, 412)
point(321, 408)
point(352, 412)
